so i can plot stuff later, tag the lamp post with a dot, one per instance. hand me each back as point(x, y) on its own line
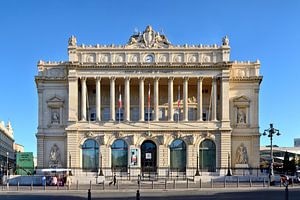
point(70, 165)
point(270, 132)
point(101, 171)
point(228, 170)
point(7, 153)
point(197, 171)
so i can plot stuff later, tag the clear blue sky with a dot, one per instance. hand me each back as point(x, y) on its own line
point(264, 30)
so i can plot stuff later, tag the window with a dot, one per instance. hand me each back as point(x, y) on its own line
point(119, 155)
point(148, 114)
point(119, 115)
point(207, 155)
point(178, 155)
point(90, 155)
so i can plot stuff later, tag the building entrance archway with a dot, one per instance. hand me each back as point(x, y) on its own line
point(148, 156)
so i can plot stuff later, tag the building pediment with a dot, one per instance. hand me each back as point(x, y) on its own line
point(241, 99)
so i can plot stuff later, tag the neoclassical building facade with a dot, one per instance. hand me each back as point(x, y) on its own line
point(148, 106)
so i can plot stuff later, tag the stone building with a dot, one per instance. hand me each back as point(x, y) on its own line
point(6, 147)
point(148, 107)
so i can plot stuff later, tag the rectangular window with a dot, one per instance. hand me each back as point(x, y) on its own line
point(148, 114)
point(204, 116)
point(119, 115)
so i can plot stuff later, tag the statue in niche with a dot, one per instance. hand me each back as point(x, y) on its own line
point(72, 41)
point(241, 156)
point(241, 116)
point(54, 157)
point(55, 117)
point(225, 41)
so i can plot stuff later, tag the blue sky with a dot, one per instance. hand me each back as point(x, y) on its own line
point(264, 30)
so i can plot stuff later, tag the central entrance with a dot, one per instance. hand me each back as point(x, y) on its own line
point(148, 157)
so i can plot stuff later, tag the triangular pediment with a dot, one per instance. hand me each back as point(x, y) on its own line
point(55, 99)
point(241, 99)
point(148, 39)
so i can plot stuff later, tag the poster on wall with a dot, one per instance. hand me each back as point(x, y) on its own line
point(133, 157)
point(148, 156)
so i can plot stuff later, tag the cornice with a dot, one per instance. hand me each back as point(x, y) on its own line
point(246, 79)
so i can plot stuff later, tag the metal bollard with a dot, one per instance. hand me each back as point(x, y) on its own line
point(187, 183)
point(57, 186)
point(77, 185)
point(200, 183)
point(103, 185)
point(152, 185)
point(68, 186)
point(212, 183)
point(174, 184)
point(117, 184)
point(18, 186)
point(250, 182)
point(138, 196)
point(89, 194)
point(31, 186)
point(269, 182)
point(286, 192)
point(292, 182)
point(165, 184)
point(90, 185)
point(237, 182)
point(225, 182)
point(264, 182)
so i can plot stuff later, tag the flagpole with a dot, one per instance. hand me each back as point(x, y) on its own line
point(119, 103)
point(178, 103)
point(149, 103)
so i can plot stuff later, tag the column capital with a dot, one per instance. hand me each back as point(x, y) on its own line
point(170, 78)
point(141, 78)
point(112, 78)
point(200, 78)
point(98, 78)
point(83, 78)
point(127, 78)
point(156, 78)
point(186, 78)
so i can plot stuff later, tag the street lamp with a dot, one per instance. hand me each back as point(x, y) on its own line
point(229, 166)
point(270, 132)
point(70, 164)
point(7, 167)
point(197, 171)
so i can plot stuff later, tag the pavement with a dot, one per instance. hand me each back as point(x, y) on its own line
point(245, 193)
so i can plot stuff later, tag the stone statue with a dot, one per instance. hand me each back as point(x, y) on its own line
point(72, 41)
point(225, 41)
point(149, 36)
point(241, 117)
point(241, 156)
point(54, 157)
point(55, 118)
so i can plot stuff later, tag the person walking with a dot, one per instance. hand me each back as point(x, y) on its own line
point(115, 179)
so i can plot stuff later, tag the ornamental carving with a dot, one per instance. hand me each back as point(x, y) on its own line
point(148, 39)
point(89, 134)
point(54, 157)
point(241, 155)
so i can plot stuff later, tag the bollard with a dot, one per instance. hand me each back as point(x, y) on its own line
point(174, 184)
point(103, 185)
point(287, 192)
point(138, 195)
point(90, 185)
point(250, 182)
point(68, 186)
point(45, 186)
point(165, 184)
point(187, 183)
point(292, 182)
point(89, 194)
point(152, 185)
point(7, 185)
point(280, 184)
point(77, 185)
point(31, 186)
point(200, 183)
point(269, 182)
point(225, 182)
point(57, 186)
point(237, 182)
point(18, 186)
point(117, 184)
point(264, 182)
point(211, 183)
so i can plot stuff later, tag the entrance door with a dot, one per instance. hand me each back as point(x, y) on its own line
point(148, 157)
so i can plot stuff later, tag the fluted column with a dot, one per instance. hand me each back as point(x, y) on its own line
point(141, 99)
point(156, 99)
point(127, 99)
point(185, 99)
point(112, 99)
point(98, 99)
point(83, 98)
point(225, 95)
point(199, 99)
point(170, 99)
point(214, 100)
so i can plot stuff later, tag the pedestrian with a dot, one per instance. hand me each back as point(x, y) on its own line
point(115, 179)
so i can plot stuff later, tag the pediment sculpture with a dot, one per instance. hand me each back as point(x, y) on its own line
point(148, 39)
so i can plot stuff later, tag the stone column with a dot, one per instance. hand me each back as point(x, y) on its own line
point(98, 99)
point(73, 97)
point(83, 98)
point(141, 99)
point(127, 99)
point(225, 95)
point(112, 99)
point(185, 99)
point(170, 99)
point(199, 99)
point(156, 99)
point(214, 100)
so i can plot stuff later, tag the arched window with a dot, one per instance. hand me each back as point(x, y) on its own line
point(207, 155)
point(119, 155)
point(90, 155)
point(178, 155)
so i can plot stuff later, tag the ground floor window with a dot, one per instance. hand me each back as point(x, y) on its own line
point(148, 156)
point(119, 155)
point(207, 155)
point(90, 155)
point(178, 155)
